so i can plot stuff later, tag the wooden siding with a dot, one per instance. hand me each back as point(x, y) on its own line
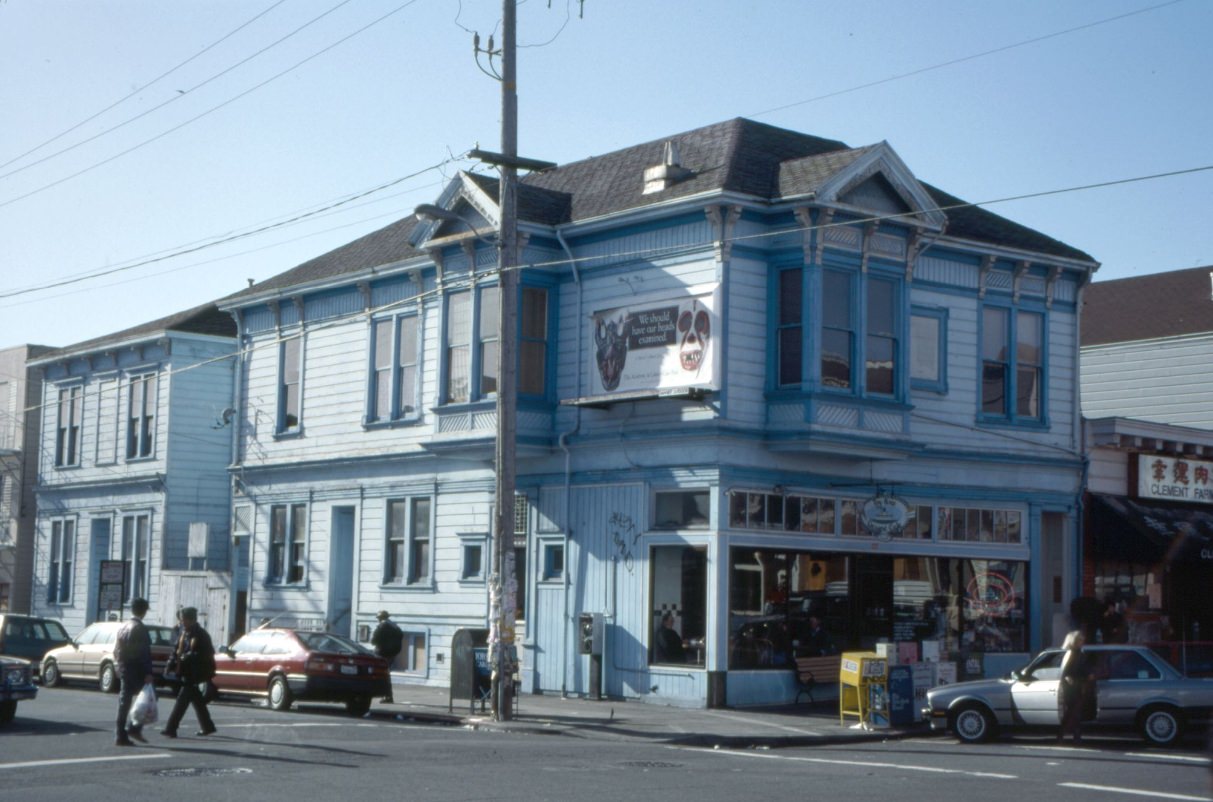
point(1165, 381)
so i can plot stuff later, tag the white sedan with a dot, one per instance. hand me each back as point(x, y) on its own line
point(1136, 689)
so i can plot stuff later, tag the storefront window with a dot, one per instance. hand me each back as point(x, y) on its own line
point(679, 589)
point(930, 608)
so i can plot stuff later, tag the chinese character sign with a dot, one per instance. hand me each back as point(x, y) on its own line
point(1174, 479)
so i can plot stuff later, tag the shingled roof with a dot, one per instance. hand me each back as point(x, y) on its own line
point(1148, 307)
point(736, 156)
point(205, 319)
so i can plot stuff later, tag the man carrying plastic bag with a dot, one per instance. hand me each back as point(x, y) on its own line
point(133, 654)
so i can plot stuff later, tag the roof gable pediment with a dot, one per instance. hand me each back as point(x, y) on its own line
point(876, 180)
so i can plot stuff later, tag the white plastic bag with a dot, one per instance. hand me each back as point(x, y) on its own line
point(144, 710)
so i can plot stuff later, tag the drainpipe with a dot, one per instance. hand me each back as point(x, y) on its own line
point(236, 459)
point(568, 492)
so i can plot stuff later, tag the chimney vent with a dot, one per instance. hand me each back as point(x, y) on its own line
point(666, 174)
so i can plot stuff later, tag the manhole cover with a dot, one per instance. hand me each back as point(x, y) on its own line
point(650, 764)
point(199, 772)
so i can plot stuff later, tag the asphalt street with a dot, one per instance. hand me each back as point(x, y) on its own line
point(61, 747)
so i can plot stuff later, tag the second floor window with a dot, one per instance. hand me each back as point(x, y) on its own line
point(532, 347)
point(790, 328)
point(67, 430)
point(394, 384)
point(62, 561)
point(290, 384)
point(288, 544)
point(1012, 364)
point(136, 548)
point(471, 345)
point(141, 416)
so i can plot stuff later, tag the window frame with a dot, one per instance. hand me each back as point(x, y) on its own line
point(552, 564)
point(135, 543)
point(61, 561)
point(786, 322)
point(407, 558)
point(69, 439)
point(1010, 365)
point(939, 384)
point(469, 541)
point(476, 344)
point(542, 342)
point(399, 365)
point(283, 426)
point(141, 429)
point(286, 557)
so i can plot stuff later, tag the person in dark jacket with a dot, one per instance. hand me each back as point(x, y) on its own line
point(195, 654)
point(387, 640)
point(1076, 691)
point(133, 654)
point(668, 645)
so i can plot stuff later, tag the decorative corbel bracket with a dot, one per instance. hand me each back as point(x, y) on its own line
point(364, 289)
point(1021, 270)
point(804, 217)
point(825, 219)
point(987, 264)
point(869, 232)
point(1051, 285)
point(723, 221)
point(439, 265)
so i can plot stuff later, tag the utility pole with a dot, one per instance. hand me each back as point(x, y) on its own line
point(504, 592)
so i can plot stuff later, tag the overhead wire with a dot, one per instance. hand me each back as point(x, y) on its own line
point(139, 89)
point(221, 241)
point(963, 59)
point(209, 111)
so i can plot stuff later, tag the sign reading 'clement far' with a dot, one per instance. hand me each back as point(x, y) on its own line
point(1172, 479)
point(657, 344)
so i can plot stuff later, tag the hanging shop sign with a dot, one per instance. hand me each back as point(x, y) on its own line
point(1172, 479)
point(884, 515)
point(657, 344)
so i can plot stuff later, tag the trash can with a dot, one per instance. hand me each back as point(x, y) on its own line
point(862, 689)
point(471, 674)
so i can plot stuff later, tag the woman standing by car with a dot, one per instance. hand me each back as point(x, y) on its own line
point(1076, 691)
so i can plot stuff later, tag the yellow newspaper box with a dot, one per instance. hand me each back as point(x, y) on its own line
point(861, 687)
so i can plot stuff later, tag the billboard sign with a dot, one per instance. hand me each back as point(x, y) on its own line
point(657, 344)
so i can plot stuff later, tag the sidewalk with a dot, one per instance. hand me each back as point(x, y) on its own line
point(791, 725)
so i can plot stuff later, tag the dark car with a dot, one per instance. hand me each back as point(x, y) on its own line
point(285, 665)
point(30, 637)
point(90, 656)
point(16, 683)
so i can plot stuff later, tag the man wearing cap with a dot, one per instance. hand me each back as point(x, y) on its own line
point(196, 658)
point(387, 640)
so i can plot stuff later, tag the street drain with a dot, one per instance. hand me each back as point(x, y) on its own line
point(199, 772)
point(650, 764)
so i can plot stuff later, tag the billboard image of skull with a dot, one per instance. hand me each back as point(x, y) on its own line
point(611, 338)
point(696, 329)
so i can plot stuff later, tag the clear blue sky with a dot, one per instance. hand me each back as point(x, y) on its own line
point(1045, 108)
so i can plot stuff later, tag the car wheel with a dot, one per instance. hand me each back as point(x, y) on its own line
point(1161, 725)
point(358, 705)
point(8, 710)
point(280, 694)
point(108, 679)
point(51, 678)
point(973, 724)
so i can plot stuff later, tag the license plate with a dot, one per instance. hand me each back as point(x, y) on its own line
point(349, 669)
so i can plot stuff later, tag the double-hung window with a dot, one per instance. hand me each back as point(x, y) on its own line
point(62, 560)
point(790, 328)
point(141, 416)
point(533, 343)
point(860, 333)
point(288, 544)
point(406, 558)
point(290, 384)
point(471, 345)
point(1012, 364)
point(67, 430)
point(136, 548)
point(394, 384)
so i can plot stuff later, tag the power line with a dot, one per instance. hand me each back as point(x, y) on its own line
point(136, 91)
point(242, 235)
point(209, 111)
point(963, 59)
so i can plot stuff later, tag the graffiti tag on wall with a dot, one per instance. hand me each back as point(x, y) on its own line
point(625, 535)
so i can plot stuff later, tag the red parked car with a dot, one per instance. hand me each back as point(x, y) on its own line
point(288, 665)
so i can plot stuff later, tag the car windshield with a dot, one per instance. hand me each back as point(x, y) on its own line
point(328, 642)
